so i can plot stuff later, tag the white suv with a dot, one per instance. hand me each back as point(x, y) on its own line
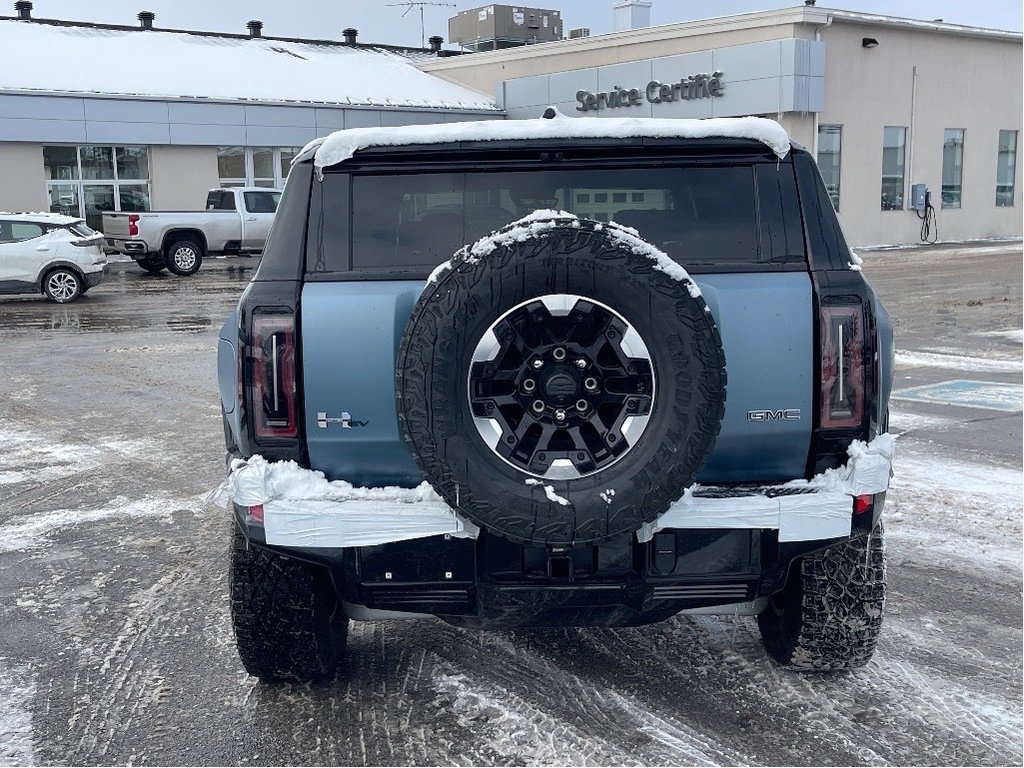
point(46, 252)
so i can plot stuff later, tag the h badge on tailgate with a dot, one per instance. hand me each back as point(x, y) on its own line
point(346, 420)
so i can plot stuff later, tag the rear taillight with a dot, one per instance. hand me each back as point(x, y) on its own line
point(842, 366)
point(133, 225)
point(254, 514)
point(272, 380)
point(862, 503)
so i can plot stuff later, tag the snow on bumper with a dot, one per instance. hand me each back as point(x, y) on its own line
point(301, 508)
point(819, 508)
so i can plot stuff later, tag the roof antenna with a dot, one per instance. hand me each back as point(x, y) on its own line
point(411, 4)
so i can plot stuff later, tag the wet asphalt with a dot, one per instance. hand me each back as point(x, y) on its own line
point(115, 639)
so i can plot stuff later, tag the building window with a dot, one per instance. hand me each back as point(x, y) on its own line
point(830, 153)
point(254, 166)
point(89, 179)
point(894, 150)
point(1006, 168)
point(952, 167)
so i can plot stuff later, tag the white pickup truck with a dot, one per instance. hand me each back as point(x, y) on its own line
point(236, 220)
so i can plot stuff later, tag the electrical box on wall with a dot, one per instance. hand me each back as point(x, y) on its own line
point(918, 196)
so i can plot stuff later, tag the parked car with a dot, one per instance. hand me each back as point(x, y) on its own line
point(58, 256)
point(236, 220)
point(536, 430)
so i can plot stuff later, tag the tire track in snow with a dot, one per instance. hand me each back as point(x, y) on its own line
point(17, 689)
point(512, 664)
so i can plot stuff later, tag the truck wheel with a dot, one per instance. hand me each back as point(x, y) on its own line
point(560, 389)
point(62, 285)
point(184, 256)
point(830, 613)
point(153, 264)
point(288, 623)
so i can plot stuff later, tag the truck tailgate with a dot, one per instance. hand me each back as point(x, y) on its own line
point(115, 224)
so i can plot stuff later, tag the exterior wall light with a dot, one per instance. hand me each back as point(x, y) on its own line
point(868, 42)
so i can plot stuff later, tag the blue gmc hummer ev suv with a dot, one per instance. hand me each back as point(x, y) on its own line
point(632, 360)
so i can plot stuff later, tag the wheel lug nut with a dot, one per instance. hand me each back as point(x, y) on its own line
point(538, 406)
point(590, 383)
point(581, 363)
point(529, 385)
point(538, 363)
point(560, 415)
point(582, 405)
point(558, 353)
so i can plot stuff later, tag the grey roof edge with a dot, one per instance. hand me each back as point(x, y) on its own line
point(814, 15)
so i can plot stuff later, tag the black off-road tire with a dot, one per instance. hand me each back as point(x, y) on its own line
point(829, 615)
point(579, 258)
point(153, 264)
point(289, 625)
point(183, 255)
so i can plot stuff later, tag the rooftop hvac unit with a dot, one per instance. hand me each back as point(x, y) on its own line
point(579, 32)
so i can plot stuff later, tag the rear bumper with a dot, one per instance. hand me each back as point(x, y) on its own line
point(390, 550)
point(92, 279)
point(134, 248)
point(489, 581)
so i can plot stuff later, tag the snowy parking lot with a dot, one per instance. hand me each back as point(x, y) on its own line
point(116, 643)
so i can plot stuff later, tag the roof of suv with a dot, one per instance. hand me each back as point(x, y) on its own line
point(342, 145)
point(42, 217)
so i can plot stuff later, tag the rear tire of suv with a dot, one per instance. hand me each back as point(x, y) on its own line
point(289, 625)
point(153, 264)
point(829, 614)
point(63, 285)
point(557, 386)
point(184, 256)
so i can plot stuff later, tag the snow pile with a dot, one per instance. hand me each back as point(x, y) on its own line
point(179, 64)
point(342, 145)
point(867, 471)
point(302, 508)
point(537, 223)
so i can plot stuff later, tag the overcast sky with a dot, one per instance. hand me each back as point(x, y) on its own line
point(382, 21)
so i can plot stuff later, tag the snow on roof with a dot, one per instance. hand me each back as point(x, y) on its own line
point(40, 216)
point(82, 59)
point(341, 145)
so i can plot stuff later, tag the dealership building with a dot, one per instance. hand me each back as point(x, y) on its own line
point(103, 117)
point(885, 103)
point(106, 117)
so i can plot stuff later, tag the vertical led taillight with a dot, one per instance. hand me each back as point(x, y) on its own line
point(842, 366)
point(272, 383)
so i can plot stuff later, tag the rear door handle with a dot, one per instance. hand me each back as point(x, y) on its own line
point(250, 218)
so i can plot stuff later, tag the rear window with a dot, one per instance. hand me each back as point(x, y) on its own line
point(261, 202)
point(79, 228)
point(715, 216)
point(220, 201)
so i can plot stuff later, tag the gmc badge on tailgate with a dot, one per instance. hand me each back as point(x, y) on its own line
point(783, 414)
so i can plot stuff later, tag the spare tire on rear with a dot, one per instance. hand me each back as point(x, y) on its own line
point(561, 381)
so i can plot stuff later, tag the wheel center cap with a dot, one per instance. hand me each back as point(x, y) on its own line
point(561, 388)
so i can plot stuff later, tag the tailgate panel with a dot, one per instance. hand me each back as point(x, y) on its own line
point(350, 337)
point(115, 225)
